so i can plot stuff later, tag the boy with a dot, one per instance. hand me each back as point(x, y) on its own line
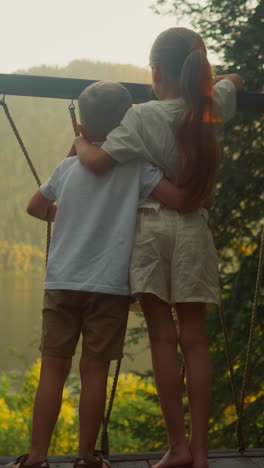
point(86, 284)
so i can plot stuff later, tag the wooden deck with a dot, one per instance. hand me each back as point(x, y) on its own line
point(252, 458)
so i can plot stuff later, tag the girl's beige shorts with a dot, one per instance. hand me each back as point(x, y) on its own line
point(174, 257)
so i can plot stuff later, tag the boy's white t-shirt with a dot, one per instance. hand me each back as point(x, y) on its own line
point(148, 130)
point(95, 224)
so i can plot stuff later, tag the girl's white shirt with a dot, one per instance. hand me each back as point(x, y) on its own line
point(148, 130)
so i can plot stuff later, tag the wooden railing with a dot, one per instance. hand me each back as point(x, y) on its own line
point(71, 88)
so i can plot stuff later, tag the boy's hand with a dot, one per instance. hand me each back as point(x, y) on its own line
point(42, 208)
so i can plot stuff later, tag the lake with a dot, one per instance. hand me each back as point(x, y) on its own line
point(20, 327)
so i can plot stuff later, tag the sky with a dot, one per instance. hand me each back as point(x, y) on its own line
point(55, 32)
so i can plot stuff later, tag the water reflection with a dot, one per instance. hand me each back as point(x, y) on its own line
point(20, 325)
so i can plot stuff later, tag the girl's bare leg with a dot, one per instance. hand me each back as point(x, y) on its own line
point(195, 349)
point(163, 341)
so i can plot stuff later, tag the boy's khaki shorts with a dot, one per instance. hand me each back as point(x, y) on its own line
point(100, 318)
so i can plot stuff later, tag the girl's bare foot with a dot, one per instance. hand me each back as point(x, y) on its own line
point(199, 456)
point(200, 459)
point(200, 464)
point(175, 457)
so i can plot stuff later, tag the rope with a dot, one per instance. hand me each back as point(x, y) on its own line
point(19, 139)
point(104, 436)
point(48, 237)
point(73, 118)
point(239, 403)
point(30, 163)
point(231, 371)
point(239, 426)
point(182, 372)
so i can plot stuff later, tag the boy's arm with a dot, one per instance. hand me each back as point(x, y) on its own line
point(177, 199)
point(42, 208)
point(92, 157)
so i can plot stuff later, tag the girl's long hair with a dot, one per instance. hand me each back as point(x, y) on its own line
point(181, 53)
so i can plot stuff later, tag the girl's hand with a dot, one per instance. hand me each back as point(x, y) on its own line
point(77, 145)
point(234, 77)
point(209, 201)
point(80, 142)
point(188, 206)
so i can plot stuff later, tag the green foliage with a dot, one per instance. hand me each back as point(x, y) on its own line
point(225, 25)
point(16, 416)
point(19, 257)
point(136, 422)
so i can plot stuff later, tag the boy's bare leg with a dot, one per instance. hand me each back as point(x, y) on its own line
point(92, 403)
point(53, 374)
point(195, 349)
point(163, 341)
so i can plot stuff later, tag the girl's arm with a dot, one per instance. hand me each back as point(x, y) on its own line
point(94, 158)
point(177, 199)
point(41, 208)
point(234, 77)
point(124, 143)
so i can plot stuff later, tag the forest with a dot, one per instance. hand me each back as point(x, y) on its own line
point(236, 34)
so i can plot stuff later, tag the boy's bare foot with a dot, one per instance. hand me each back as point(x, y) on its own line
point(26, 461)
point(92, 461)
point(173, 458)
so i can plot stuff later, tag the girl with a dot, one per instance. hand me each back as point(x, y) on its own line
point(174, 261)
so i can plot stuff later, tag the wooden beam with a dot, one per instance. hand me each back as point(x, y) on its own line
point(60, 88)
point(71, 88)
point(250, 102)
point(148, 456)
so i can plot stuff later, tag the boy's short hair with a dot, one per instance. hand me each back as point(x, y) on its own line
point(102, 106)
